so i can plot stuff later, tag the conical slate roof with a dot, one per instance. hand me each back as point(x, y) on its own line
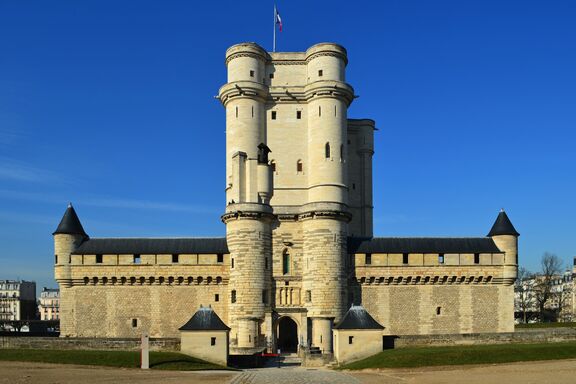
point(358, 318)
point(70, 223)
point(503, 226)
point(205, 319)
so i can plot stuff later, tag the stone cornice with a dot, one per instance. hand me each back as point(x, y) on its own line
point(330, 89)
point(247, 89)
point(325, 214)
point(246, 215)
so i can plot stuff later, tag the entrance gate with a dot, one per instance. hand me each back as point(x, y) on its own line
point(287, 335)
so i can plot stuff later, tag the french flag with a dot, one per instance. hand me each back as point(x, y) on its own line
point(278, 19)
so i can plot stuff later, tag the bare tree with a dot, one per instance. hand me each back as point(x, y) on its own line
point(524, 293)
point(551, 268)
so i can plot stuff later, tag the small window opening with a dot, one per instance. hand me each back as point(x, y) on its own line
point(212, 341)
point(55, 259)
point(438, 310)
point(265, 296)
point(441, 258)
point(220, 258)
point(320, 339)
point(341, 152)
point(249, 338)
point(298, 115)
point(319, 111)
point(286, 283)
point(252, 111)
point(232, 263)
point(335, 110)
point(137, 259)
point(98, 259)
point(299, 166)
point(285, 263)
point(251, 73)
point(175, 258)
point(271, 75)
point(236, 111)
point(368, 259)
point(353, 185)
point(350, 339)
point(217, 297)
point(308, 296)
point(134, 323)
point(233, 296)
point(320, 73)
point(405, 258)
point(476, 258)
point(273, 115)
point(327, 150)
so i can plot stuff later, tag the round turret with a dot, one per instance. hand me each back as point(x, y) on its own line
point(505, 237)
point(246, 62)
point(326, 61)
point(67, 238)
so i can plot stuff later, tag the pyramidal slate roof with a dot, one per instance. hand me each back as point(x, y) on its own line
point(503, 226)
point(205, 319)
point(358, 317)
point(70, 223)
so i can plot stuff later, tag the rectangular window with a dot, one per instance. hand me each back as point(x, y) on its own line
point(98, 259)
point(220, 258)
point(232, 261)
point(298, 115)
point(134, 323)
point(175, 258)
point(55, 259)
point(438, 310)
point(308, 296)
point(320, 73)
point(441, 258)
point(212, 341)
point(265, 296)
point(299, 166)
point(273, 115)
point(137, 259)
point(350, 339)
point(368, 259)
point(233, 296)
point(216, 297)
point(271, 75)
point(405, 258)
point(476, 258)
point(251, 73)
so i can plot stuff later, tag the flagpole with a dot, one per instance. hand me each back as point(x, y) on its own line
point(274, 34)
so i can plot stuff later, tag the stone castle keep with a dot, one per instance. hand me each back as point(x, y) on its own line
point(299, 247)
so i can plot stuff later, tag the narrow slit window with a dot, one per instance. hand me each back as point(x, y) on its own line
point(252, 111)
point(55, 259)
point(98, 259)
point(350, 339)
point(134, 323)
point(298, 115)
point(319, 111)
point(232, 262)
point(236, 111)
point(405, 258)
point(216, 297)
point(273, 115)
point(175, 258)
point(299, 166)
point(251, 73)
point(334, 110)
point(320, 73)
point(327, 150)
point(285, 263)
point(368, 259)
point(308, 296)
point(212, 341)
point(438, 311)
point(476, 258)
point(233, 296)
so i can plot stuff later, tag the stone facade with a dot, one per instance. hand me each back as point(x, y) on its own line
point(17, 300)
point(49, 306)
point(299, 248)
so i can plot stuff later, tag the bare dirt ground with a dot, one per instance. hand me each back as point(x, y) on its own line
point(559, 371)
point(531, 372)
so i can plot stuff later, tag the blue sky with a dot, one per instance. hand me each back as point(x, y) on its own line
point(109, 104)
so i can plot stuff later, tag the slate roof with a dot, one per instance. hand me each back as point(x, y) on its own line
point(503, 226)
point(358, 318)
point(423, 245)
point(205, 319)
point(153, 246)
point(70, 223)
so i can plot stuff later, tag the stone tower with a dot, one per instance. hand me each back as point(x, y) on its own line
point(287, 217)
point(505, 237)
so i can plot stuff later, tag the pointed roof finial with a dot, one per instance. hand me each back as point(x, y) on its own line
point(503, 226)
point(70, 223)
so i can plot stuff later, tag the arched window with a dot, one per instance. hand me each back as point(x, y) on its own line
point(299, 166)
point(285, 262)
point(327, 150)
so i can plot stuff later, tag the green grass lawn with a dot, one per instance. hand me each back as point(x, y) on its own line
point(547, 325)
point(123, 359)
point(460, 355)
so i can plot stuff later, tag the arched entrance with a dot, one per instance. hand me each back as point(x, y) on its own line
point(287, 335)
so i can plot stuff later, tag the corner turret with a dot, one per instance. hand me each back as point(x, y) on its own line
point(67, 238)
point(505, 237)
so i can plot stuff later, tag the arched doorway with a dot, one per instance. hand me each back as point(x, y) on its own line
point(287, 335)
